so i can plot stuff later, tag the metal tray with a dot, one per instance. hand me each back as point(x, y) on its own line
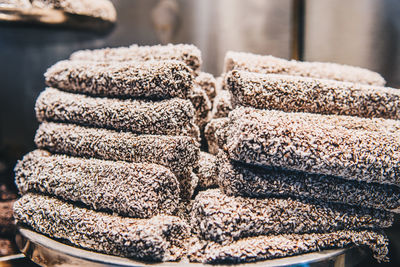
point(50, 253)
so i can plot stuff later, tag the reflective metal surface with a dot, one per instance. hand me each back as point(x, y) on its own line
point(48, 252)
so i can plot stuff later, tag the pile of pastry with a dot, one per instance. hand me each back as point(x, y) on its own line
point(308, 159)
point(118, 145)
point(303, 156)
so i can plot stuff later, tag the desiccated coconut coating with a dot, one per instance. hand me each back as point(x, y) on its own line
point(269, 64)
point(103, 9)
point(189, 54)
point(221, 218)
point(299, 94)
point(161, 238)
point(167, 117)
point(222, 104)
point(236, 179)
point(335, 121)
point(7, 226)
point(277, 246)
point(295, 142)
point(202, 106)
point(208, 83)
point(138, 190)
point(207, 171)
point(179, 153)
point(211, 134)
point(150, 79)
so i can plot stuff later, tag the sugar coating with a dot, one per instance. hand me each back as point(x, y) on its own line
point(161, 238)
point(214, 135)
point(179, 153)
point(138, 190)
point(202, 106)
point(7, 247)
point(7, 227)
point(188, 54)
point(208, 83)
point(222, 218)
point(222, 104)
point(207, 171)
point(103, 9)
point(133, 79)
point(167, 117)
point(300, 94)
point(237, 179)
point(321, 70)
point(293, 141)
point(277, 246)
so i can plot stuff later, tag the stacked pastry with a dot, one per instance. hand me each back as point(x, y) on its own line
point(309, 160)
point(201, 94)
point(117, 146)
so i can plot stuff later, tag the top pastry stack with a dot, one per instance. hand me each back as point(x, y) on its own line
point(117, 146)
point(308, 159)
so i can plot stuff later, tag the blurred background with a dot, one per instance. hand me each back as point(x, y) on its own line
point(364, 33)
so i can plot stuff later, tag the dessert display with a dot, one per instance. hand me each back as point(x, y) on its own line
point(307, 160)
point(296, 157)
point(117, 149)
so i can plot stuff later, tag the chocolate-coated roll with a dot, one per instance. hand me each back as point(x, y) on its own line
point(139, 190)
point(189, 54)
point(221, 218)
point(277, 246)
point(237, 179)
point(179, 153)
point(167, 117)
point(161, 238)
point(321, 70)
point(300, 94)
point(314, 144)
point(150, 79)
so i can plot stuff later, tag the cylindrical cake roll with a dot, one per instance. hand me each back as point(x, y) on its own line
point(161, 238)
point(222, 104)
point(221, 218)
point(202, 106)
point(7, 227)
point(189, 54)
point(179, 153)
point(299, 94)
point(151, 79)
point(167, 117)
point(214, 140)
point(207, 82)
point(237, 179)
point(321, 70)
point(295, 141)
point(277, 246)
point(139, 190)
point(207, 171)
